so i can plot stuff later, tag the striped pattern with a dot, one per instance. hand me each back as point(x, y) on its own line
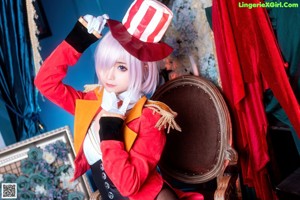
point(147, 20)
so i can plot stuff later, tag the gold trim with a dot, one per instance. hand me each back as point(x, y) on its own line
point(33, 30)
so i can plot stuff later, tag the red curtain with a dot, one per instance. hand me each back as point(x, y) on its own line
point(250, 61)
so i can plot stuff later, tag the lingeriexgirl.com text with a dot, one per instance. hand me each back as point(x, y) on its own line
point(268, 5)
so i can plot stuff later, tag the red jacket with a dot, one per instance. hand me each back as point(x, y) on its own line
point(131, 165)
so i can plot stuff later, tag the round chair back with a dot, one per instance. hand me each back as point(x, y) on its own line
point(198, 153)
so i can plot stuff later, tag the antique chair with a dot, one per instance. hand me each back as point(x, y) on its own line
point(200, 158)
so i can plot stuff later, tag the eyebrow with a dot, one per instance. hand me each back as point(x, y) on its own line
point(120, 62)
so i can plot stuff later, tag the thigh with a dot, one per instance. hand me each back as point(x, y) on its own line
point(166, 193)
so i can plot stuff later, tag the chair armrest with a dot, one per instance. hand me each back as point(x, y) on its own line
point(95, 195)
point(227, 185)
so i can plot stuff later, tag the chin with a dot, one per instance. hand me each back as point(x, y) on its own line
point(112, 90)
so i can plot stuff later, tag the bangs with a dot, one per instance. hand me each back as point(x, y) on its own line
point(142, 79)
point(107, 53)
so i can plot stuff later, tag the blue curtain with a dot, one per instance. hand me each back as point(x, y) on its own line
point(17, 90)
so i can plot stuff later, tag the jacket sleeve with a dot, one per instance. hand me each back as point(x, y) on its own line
point(129, 170)
point(51, 74)
point(53, 71)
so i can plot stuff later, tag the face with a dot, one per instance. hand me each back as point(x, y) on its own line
point(116, 79)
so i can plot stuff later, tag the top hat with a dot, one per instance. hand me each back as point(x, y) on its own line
point(142, 28)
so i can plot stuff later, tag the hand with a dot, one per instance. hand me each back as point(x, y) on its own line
point(86, 31)
point(95, 23)
point(110, 104)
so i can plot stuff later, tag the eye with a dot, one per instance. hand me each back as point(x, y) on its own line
point(123, 68)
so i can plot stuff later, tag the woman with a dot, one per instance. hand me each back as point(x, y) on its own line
point(118, 133)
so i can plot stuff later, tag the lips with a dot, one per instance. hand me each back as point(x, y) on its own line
point(109, 85)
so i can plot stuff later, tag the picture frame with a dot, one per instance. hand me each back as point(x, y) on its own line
point(12, 156)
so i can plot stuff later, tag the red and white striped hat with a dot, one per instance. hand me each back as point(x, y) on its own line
point(142, 28)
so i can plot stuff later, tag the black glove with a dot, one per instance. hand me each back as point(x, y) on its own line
point(111, 128)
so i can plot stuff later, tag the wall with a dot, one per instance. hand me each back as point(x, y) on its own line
point(61, 16)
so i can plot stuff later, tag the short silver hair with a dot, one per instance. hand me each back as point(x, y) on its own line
point(144, 76)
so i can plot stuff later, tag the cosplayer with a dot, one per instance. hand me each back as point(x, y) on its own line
point(118, 133)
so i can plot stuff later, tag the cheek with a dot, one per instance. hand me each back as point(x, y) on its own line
point(101, 76)
point(124, 79)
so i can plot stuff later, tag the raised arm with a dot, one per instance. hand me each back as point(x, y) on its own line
point(49, 79)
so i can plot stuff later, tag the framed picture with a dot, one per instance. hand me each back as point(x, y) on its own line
point(46, 164)
point(41, 20)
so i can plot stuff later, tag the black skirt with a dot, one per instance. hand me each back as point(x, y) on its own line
point(106, 188)
point(108, 191)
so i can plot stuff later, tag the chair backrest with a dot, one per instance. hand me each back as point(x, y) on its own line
point(201, 151)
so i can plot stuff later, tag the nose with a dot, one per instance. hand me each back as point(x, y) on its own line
point(110, 74)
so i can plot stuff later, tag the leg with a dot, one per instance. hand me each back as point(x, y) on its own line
point(166, 193)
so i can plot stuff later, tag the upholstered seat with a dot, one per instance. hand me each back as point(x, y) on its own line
point(201, 152)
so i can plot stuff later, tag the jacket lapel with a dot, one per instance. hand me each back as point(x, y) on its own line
point(85, 111)
point(84, 114)
point(136, 112)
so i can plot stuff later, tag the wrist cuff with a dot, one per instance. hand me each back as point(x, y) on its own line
point(111, 128)
point(79, 38)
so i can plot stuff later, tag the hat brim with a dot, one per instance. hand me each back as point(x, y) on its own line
point(144, 51)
